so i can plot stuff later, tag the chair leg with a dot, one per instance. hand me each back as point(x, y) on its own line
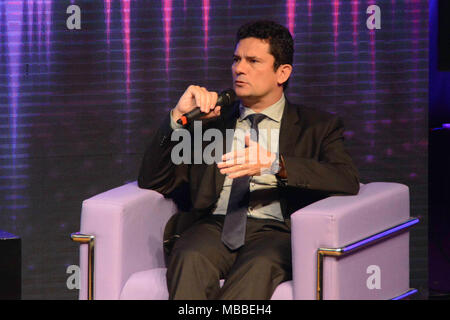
point(90, 240)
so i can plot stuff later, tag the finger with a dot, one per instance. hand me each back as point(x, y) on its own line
point(234, 169)
point(213, 96)
point(227, 164)
point(197, 93)
point(207, 101)
point(188, 100)
point(217, 111)
point(203, 100)
point(198, 97)
point(212, 114)
point(208, 105)
point(241, 173)
point(230, 156)
point(235, 162)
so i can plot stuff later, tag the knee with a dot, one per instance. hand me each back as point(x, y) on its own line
point(184, 255)
point(261, 263)
point(267, 266)
point(188, 258)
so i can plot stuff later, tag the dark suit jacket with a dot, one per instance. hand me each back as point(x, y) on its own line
point(311, 143)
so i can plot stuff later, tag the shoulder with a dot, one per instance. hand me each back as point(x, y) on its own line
point(314, 117)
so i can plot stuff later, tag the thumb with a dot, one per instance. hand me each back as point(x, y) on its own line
point(249, 142)
point(217, 111)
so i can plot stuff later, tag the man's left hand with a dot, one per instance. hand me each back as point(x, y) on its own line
point(253, 160)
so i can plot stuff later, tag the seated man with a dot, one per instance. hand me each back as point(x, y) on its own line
point(236, 226)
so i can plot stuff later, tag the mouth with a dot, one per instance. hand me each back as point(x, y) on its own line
point(239, 83)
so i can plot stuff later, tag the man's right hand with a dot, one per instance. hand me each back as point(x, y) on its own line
point(197, 97)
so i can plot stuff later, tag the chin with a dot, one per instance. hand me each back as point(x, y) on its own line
point(241, 92)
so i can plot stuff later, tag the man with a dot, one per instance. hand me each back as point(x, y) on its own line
point(236, 226)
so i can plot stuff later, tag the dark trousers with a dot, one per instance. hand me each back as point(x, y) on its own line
point(199, 260)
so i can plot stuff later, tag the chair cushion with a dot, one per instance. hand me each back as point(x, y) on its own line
point(146, 285)
point(151, 285)
point(284, 291)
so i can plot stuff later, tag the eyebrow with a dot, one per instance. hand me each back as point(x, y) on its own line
point(247, 57)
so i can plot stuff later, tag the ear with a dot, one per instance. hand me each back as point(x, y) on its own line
point(283, 73)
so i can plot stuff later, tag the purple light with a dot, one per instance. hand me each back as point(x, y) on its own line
point(372, 52)
point(205, 10)
point(127, 52)
point(30, 15)
point(415, 36)
point(13, 15)
point(405, 294)
point(108, 19)
point(309, 11)
point(446, 125)
point(393, 8)
point(380, 235)
point(335, 24)
point(355, 24)
point(7, 235)
point(291, 16)
point(167, 19)
point(48, 17)
point(39, 24)
point(126, 40)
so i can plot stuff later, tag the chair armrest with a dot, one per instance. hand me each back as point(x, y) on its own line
point(128, 225)
point(340, 220)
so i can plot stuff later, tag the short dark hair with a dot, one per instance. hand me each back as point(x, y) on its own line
point(280, 40)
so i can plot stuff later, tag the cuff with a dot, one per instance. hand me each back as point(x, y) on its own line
point(173, 124)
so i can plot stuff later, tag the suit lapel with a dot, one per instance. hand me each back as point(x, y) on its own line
point(289, 132)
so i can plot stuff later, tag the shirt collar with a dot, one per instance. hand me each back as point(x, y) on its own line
point(274, 112)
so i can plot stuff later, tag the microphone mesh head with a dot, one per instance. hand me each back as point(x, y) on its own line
point(226, 97)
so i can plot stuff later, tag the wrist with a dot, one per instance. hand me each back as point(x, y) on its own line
point(173, 121)
point(176, 114)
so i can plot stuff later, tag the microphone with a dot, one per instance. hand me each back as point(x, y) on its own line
point(225, 99)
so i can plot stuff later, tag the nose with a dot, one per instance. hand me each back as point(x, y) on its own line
point(239, 67)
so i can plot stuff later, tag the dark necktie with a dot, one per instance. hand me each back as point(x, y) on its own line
point(233, 232)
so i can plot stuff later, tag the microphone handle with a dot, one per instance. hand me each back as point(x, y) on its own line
point(190, 116)
point(226, 97)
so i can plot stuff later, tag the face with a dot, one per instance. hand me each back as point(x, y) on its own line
point(254, 77)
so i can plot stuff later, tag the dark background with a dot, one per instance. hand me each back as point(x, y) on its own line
point(77, 107)
point(439, 151)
